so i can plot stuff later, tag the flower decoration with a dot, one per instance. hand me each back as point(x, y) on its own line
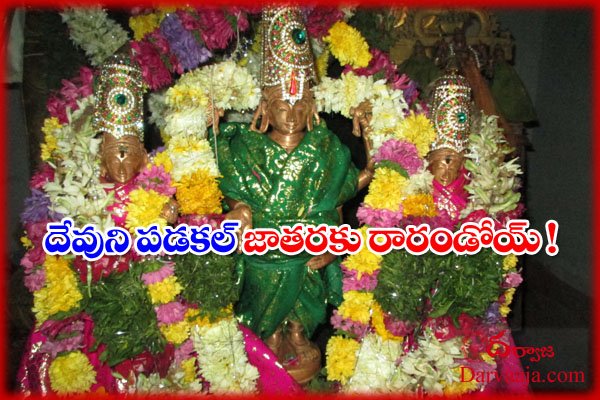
point(71, 373)
point(92, 30)
point(347, 45)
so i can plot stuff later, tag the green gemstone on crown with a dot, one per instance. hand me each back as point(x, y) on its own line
point(121, 99)
point(299, 36)
point(462, 117)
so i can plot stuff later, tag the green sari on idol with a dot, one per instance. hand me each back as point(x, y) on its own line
point(305, 186)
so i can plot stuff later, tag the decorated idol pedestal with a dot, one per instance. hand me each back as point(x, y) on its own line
point(239, 97)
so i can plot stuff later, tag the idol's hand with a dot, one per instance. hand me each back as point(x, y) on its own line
point(170, 211)
point(361, 119)
point(243, 213)
point(320, 261)
point(213, 117)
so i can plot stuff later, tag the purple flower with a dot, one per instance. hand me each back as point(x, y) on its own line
point(36, 207)
point(492, 315)
point(402, 153)
point(182, 43)
point(379, 218)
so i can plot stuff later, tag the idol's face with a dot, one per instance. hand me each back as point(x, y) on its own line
point(122, 158)
point(445, 165)
point(285, 117)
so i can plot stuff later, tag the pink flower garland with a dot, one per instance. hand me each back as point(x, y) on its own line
point(159, 275)
point(402, 153)
point(72, 90)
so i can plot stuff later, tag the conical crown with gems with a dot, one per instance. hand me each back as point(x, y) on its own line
point(287, 59)
point(451, 111)
point(119, 101)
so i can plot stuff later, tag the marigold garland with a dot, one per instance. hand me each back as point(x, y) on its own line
point(71, 373)
point(356, 306)
point(341, 358)
point(164, 291)
point(60, 293)
point(386, 190)
point(199, 193)
point(348, 45)
point(417, 129)
point(145, 208)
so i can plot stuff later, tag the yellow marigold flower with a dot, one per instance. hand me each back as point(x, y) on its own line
point(356, 306)
point(321, 64)
point(164, 291)
point(417, 129)
point(458, 388)
point(143, 24)
point(379, 325)
point(189, 370)
point(71, 373)
point(348, 45)
point(364, 262)
point(419, 205)
point(28, 244)
point(341, 358)
point(145, 208)
point(48, 147)
point(176, 333)
point(163, 159)
point(386, 190)
point(509, 262)
point(50, 125)
point(61, 291)
point(199, 193)
point(508, 298)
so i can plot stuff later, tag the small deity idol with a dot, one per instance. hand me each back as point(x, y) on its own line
point(451, 115)
point(118, 115)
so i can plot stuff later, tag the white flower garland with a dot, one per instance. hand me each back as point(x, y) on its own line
point(431, 366)
point(375, 365)
point(222, 358)
point(341, 95)
point(91, 29)
point(76, 190)
point(494, 182)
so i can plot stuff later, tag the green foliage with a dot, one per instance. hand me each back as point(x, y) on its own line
point(392, 165)
point(404, 282)
point(451, 284)
point(209, 281)
point(124, 318)
point(371, 24)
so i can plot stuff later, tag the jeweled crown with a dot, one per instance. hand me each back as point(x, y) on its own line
point(451, 114)
point(119, 98)
point(287, 58)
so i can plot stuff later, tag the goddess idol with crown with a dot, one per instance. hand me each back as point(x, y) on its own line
point(282, 169)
